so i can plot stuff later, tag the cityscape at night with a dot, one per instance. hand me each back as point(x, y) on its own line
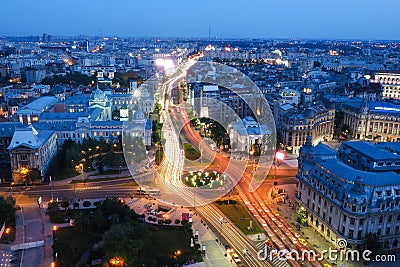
point(196, 134)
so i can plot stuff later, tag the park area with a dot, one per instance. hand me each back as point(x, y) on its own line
point(239, 215)
point(112, 232)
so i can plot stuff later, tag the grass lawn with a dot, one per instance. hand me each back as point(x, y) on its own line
point(64, 174)
point(61, 215)
point(239, 215)
point(190, 152)
point(70, 244)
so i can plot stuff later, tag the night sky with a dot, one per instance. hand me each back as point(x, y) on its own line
point(339, 19)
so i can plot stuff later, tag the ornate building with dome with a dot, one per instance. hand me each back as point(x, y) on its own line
point(351, 192)
point(81, 117)
point(294, 124)
point(99, 100)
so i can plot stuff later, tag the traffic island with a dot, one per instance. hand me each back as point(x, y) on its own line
point(239, 215)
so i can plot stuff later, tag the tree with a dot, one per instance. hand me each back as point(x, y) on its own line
point(7, 211)
point(125, 241)
point(87, 204)
point(33, 175)
point(373, 243)
point(301, 216)
point(64, 204)
point(114, 160)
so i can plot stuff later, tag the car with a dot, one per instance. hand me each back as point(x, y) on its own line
point(235, 258)
point(302, 241)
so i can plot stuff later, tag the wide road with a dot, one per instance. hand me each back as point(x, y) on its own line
point(170, 173)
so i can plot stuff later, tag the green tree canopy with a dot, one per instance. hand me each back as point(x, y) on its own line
point(7, 211)
point(33, 175)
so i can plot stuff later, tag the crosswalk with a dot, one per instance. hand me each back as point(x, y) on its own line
point(88, 188)
point(275, 260)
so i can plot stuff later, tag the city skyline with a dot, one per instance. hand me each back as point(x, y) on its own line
point(287, 19)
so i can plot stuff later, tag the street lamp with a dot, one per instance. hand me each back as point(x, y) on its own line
point(80, 167)
point(11, 188)
point(279, 157)
point(117, 261)
point(251, 154)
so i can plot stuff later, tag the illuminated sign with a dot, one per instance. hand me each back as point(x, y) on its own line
point(387, 109)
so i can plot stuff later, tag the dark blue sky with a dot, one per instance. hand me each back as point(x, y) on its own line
point(350, 19)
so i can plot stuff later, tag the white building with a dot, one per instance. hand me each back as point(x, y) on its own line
point(30, 148)
point(390, 83)
point(245, 133)
point(290, 96)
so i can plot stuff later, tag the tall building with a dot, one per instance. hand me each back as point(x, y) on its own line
point(293, 124)
point(390, 82)
point(377, 121)
point(351, 193)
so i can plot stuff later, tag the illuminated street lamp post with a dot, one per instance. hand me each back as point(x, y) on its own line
point(279, 157)
point(80, 167)
point(11, 188)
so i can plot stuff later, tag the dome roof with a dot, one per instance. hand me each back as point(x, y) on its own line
point(98, 95)
point(138, 115)
point(364, 107)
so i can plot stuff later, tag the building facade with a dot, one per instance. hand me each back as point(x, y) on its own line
point(30, 148)
point(390, 82)
point(377, 121)
point(247, 133)
point(345, 198)
point(295, 124)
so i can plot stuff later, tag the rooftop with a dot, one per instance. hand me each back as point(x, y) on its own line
point(39, 105)
point(7, 129)
point(350, 174)
point(370, 150)
point(29, 137)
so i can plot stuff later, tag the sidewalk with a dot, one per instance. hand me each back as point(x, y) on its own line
point(33, 230)
point(215, 253)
